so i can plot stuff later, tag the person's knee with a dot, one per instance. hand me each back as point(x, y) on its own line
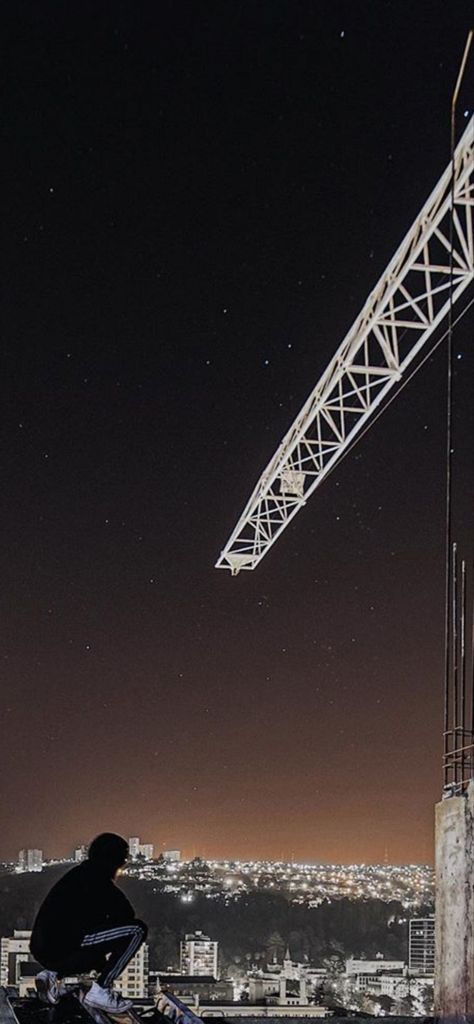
point(143, 928)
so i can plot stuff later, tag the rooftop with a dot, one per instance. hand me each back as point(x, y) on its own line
point(14, 1010)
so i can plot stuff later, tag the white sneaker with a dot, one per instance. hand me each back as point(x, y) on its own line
point(47, 987)
point(106, 999)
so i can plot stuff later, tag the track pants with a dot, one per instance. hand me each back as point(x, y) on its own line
point(108, 951)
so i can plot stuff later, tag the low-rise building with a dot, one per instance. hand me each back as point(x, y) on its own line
point(25, 980)
point(383, 983)
point(194, 989)
point(247, 1011)
point(356, 965)
point(14, 950)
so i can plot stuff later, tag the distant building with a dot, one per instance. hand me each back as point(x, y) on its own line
point(133, 982)
point(289, 969)
point(279, 990)
point(421, 945)
point(138, 849)
point(194, 989)
point(30, 860)
point(382, 983)
point(134, 846)
point(172, 856)
point(263, 987)
point(25, 979)
point(80, 854)
point(285, 984)
point(359, 966)
point(397, 986)
point(14, 951)
point(198, 955)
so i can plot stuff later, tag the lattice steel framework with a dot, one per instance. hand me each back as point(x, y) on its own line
point(409, 302)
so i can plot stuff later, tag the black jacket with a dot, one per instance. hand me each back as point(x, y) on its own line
point(85, 900)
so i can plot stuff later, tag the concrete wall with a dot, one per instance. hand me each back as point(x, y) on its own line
point(454, 970)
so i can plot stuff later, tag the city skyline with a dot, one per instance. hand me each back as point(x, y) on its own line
point(64, 850)
point(229, 879)
point(198, 207)
point(187, 856)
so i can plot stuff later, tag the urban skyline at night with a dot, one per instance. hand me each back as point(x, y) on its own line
point(197, 211)
point(305, 884)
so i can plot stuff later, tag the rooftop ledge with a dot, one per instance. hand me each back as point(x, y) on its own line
point(14, 1010)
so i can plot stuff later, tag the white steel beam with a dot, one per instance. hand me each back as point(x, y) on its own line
point(409, 302)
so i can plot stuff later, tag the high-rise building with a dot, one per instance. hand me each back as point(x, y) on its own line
point(14, 950)
point(133, 981)
point(134, 846)
point(80, 854)
point(421, 945)
point(198, 955)
point(138, 849)
point(30, 860)
point(173, 856)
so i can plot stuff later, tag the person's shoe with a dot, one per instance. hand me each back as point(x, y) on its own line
point(106, 999)
point(47, 987)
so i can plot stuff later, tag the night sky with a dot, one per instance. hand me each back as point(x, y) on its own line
point(197, 200)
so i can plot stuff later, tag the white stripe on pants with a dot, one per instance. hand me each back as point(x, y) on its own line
point(133, 932)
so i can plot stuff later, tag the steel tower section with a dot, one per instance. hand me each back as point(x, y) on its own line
point(409, 302)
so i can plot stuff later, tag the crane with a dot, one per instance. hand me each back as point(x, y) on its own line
point(429, 272)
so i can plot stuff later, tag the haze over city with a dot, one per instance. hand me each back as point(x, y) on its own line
point(197, 209)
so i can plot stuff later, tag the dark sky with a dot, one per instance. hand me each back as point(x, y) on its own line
point(197, 200)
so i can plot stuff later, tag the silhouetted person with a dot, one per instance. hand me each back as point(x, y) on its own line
point(87, 924)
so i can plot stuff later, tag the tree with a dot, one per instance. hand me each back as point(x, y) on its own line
point(364, 1001)
point(164, 944)
point(275, 947)
point(405, 1006)
point(427, 999)
point(386, 1003)
point(334, 964)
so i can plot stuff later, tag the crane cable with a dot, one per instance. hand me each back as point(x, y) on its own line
point(449, 436)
